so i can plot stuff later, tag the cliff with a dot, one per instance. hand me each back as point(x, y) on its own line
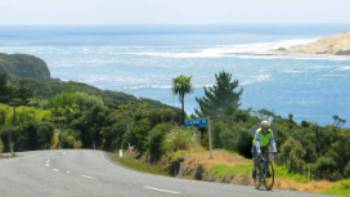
point(21, 65)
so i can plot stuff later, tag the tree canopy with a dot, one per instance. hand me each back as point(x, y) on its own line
point(220, 99)
point(182, 85)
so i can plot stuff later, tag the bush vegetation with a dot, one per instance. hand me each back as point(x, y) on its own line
point(31, 118)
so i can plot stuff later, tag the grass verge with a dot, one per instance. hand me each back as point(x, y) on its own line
point(340, 188)
point(138, 165)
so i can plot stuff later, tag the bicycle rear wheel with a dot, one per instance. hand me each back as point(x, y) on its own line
point(270, 180)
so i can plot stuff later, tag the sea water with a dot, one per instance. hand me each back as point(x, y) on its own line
point(142, 60)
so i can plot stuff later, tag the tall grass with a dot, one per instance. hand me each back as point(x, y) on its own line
point(222, 170)
point(138, 165)
point(341, 188)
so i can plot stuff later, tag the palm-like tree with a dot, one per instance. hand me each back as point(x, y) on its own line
point(182, 85)
point(338, 120)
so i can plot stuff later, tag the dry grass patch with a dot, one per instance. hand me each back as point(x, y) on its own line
point(220, 157)
point(311, 186)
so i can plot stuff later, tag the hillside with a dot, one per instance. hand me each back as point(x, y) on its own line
point(48, 89)
point(333, 45)
point(36, 75)
point(21, 65)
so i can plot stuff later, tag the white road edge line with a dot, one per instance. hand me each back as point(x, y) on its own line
point(103, 157)
point(20, 156)
point(86, 176)
point(56, 170)
point(67, 172)
point(47, 165)
point(161, 190)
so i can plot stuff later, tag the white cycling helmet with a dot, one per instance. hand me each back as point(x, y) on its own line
point(265, 124)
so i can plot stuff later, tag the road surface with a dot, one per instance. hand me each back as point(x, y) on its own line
point(88, 173)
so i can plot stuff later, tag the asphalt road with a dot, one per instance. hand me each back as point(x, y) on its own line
point(87, 173)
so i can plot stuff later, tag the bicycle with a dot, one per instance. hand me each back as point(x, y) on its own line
point(265, 174)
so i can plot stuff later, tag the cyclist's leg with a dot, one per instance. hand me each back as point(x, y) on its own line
point(255, 161)
point(253, 151)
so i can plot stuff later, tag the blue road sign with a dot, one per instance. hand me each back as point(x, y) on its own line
point(202, 123)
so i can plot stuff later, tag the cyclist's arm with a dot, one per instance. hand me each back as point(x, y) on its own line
point(257, 143)
point(273, 144)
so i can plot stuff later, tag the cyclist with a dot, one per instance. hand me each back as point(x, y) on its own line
point(263, 140)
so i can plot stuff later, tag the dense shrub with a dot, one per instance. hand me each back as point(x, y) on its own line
point(69, 140)
point(164, 115)
point(292, 153)
point(324, 167)
point(347, 170)
point(181, 138)
point(45, 132)
point(112, 136)
point(233, 136)
point(27, 137)
point(154, 141)
point(137, 135)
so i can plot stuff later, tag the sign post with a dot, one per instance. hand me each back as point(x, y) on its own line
point(210, 140)
point(202, 123)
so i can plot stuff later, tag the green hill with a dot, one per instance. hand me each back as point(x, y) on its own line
point(46, 89)
point(35, 73)
point(21, 65)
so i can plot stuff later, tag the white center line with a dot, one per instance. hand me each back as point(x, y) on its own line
point(161, 190)
point(86, 176)
point(56, 170)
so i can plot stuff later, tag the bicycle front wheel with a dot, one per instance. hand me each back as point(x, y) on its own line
point(258, 179)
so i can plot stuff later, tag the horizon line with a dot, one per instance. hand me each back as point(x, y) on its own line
point(171, 24)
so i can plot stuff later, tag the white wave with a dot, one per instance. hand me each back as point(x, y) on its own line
point(346, 68)
point(343, 68)
point(264, 49)
point(295, 57)
point(136, 87)
point(260, 78)
point(291, 71)
point(116, 80)
point(108, 54)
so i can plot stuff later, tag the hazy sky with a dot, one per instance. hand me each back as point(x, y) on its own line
point(106, 12)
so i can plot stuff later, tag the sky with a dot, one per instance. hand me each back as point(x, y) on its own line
point(119, 12)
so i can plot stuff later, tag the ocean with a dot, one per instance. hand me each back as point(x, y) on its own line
point(142, 60)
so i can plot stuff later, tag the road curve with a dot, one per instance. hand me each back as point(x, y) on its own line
point(87, 173)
